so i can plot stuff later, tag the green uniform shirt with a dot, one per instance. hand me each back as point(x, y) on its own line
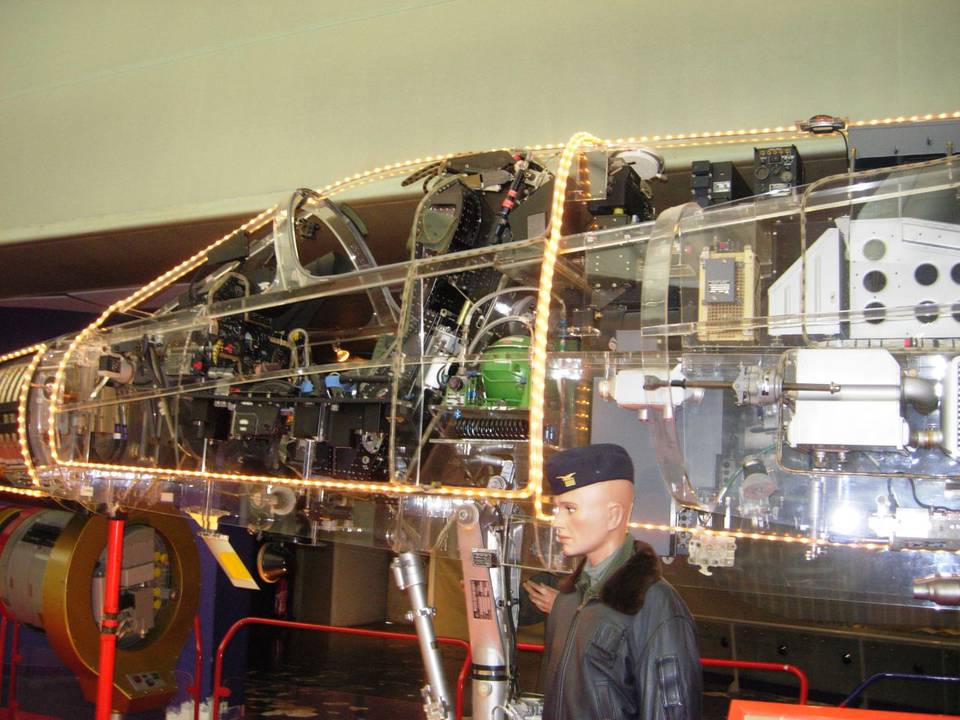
point(593, 576)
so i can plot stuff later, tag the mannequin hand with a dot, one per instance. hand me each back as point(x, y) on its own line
point(541, 595)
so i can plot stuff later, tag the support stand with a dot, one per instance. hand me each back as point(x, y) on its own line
point(109, 624)
point(490, 672)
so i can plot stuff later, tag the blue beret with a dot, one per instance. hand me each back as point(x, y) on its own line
point(578, 467)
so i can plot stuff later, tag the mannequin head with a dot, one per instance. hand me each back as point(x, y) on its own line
point(592, 520)
point(593, 489)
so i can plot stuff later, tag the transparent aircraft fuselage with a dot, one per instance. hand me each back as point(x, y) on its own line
point(784, 370)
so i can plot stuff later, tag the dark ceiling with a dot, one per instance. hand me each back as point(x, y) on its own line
point(132, 257)
point(103, 260)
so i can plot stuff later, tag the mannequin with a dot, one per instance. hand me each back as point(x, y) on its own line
point(620, 642)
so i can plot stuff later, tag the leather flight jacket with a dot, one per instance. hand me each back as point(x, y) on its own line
point(624, 650)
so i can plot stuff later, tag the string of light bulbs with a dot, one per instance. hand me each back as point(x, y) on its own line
point(392, 487)
point(538, 351)
point(22, 413)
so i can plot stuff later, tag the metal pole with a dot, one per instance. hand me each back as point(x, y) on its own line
point(408, 572)
point(110, 623)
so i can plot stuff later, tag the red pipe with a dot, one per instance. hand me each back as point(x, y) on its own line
point(461, 679)
point(195, 689)
point(776, 667)
point(222, 692)
point(109, 623)
point(3, 642)
point(740, 664)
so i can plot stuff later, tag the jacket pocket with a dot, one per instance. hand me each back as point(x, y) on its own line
point(670, 690)
point(605, 647)
point(602, 655)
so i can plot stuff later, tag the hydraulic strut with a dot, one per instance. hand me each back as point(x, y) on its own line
point(409, 575)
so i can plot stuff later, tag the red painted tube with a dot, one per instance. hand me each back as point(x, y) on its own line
point(109, 623)
point(461, 681)
point(197, 686)
point(739, 664)
point(3, 641)
point(221, 692)
point(776, 667)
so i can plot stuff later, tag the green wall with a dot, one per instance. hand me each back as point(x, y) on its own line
point(117, 114)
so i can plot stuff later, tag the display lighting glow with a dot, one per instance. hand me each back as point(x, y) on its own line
point(22, 406)
point(26, 492)
point(770, 537)
point(190, 264)
point(903, 119)
point(538, 350)
point(846, 520)
point(37, 351)
point(789, 539)
point(22, 352)
point(393, 487)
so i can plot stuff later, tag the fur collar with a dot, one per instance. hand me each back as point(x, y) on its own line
point(625, 589)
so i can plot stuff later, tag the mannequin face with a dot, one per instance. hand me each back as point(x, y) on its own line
point(594, 518)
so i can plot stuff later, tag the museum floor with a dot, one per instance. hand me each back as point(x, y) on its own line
point(304, 675)
point(346, 678)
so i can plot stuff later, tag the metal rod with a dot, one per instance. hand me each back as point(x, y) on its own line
point(409, 575)
point(653, 383)
point(308, 459)
point(109, 622)
point(208, 492)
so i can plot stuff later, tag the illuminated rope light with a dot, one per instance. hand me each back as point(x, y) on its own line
point(131, 472)
point(28, 492)
point(743, 132)
point(538, 350)
point(394, 486)
point(37, 350)
point(781, 538)
point(191, 263)
point(22, 409)
point(376, 173)
point(21, 352)
point(902, 119)
point(337, 187)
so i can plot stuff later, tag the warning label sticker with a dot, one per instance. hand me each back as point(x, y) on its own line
point(480, 599)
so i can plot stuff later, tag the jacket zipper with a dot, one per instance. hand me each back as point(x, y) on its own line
point(567, 649)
